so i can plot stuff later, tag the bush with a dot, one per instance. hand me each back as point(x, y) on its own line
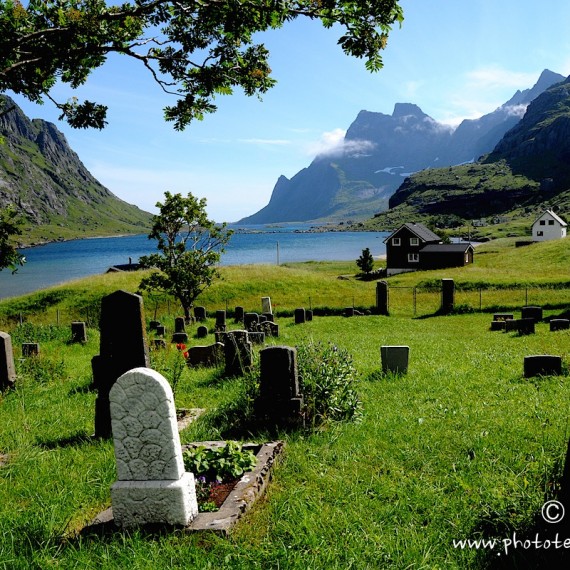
point(328, 383)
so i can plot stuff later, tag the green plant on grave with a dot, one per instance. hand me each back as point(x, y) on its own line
point(328, 383)
point(171, 364)
point(42, 369)
point(221, 463)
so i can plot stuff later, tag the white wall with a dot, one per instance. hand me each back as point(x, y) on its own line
point(551, 229)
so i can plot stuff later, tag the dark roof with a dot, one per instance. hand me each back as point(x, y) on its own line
point(419, 230)
point(446, 247)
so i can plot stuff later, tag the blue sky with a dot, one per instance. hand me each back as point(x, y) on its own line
point(454, 59)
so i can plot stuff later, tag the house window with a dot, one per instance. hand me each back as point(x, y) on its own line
point(539, 233)
point(550, 222)
point(542, 222)
point(413, 257)
point(396, 241)
point(414, 241)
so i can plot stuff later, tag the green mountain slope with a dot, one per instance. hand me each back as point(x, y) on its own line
point(50, 186)
point(528, 171)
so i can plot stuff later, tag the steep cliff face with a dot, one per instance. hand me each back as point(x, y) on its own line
point(46, 180)
point(379, 151)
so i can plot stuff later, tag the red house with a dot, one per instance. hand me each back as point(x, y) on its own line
point(413, 247)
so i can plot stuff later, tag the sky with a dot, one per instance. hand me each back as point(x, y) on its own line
point(455, 59)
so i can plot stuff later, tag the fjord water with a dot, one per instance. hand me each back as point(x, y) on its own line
point(58, 262)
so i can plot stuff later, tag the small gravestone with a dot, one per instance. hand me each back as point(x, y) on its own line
point(262, 319)
point(200, 314)
point(160, 330)
point(179, 338)
point(152, 485)
point(559, 325)
point(447, 295)
point(266, 305)
point(123, 346)
point(256, 337)
point(309, 315)
point(251, 322)
point(78, 331)
point(526, 326)
point(532, 312)
point(152, 325)
point(239, 314)
point(270, 328)
point(349, 312)
point(220, 337)
point(542, 365)
point(179, 325)
point(159, 343)
point(7, 369)
point(210, 355)
point(300, 316)
point(202, 331)
point(382, 297)
point(503, 316)
point(238, 353)
point(280, 399)
point(30, 349)
point(221, 321)
point(395, 359)
point(498, 325)
point(511, 325)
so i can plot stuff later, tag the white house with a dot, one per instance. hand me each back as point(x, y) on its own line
point(548, 226)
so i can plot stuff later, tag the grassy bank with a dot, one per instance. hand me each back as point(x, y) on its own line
point(462, 447)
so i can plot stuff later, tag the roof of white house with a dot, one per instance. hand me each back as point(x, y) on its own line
point(551, 213)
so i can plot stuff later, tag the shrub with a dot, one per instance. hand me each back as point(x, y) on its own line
point(42, 369)
point(329, 380)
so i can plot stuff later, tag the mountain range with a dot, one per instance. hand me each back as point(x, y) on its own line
point(47, 182)
point(380, 151)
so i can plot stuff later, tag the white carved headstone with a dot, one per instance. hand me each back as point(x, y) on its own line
point(152, 485)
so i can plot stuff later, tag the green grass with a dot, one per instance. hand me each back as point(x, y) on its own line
point(461, 447)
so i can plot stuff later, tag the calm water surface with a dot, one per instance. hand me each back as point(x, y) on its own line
point(63, 261)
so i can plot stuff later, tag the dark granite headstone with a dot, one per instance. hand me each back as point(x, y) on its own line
point(30, 349)
point(7, 369)
point(447, 295)
point(179, 325)
point(308, 315)
point(532, 312)
point(559, 324)
point(498, 325)
point(202, 331)
point(238, 353)
point(221, 321)
point(239, 314)
point(78, 331)
point(542, 365)
point(210, 355)
point(256, 337)
point(160, 330)
point(349, 312)
point(179, 338)
point(503, 316)
point(280, 399)
point(152, 325)
point(270, 328)
point(159, 343)
point(300, 316)
point(251, 322)
point(525, 326)
point(268, 317)
point(200, 314)
point(511, 325)
point(382, 297)
point(123, 346)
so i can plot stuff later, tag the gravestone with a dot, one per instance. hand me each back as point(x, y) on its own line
point(238, 314)
point(349, 312)
point(152, 325)
point(202, 331)
point(382, 297)
point(395, 359)
point(159, 343)
point(152, 485)
point(179, 325)
point(280, 399)
point(525, 326)
point(200, 314)
point(498, 325)
point(266, 305)
point(308, 315)
point(511, 325)
point(268, 317)
point(559, 324)
point(238, 353)
point(210, 355)
point(503, 316)
point(256, 337)
point(221, 321)
point(542, 365)
point(78, 331)
point(30, 349)
point(532, 312)
point(123, 346)
point(447, 295)
point(251, 322)
point(270, 328)
point(300, 316)
point(262, 319)
point(160, 330)
point(7, 369)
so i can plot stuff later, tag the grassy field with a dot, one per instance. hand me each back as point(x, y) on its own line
point(462, 447)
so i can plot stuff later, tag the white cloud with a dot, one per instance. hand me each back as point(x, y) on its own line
point(333, 143)
point(496, 77)
point(266, 142)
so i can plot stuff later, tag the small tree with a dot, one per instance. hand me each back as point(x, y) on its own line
point(10, 222)
point(189, 244)
point(365, 262)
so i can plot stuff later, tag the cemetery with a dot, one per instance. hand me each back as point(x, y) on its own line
point(438, 428)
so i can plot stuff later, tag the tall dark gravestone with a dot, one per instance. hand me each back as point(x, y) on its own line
point(7, 369)
point(447, 295)
point(123, 346)
point(238, 353)
point(382, 298)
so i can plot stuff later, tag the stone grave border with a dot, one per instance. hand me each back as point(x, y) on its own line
point(248, 489)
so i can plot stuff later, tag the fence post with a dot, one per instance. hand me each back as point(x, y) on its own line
point(415, 304)
point(480, 299)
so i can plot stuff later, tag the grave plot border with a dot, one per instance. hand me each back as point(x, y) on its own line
point(248, 489)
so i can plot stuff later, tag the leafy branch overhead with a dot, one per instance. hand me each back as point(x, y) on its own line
point(194, 49)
